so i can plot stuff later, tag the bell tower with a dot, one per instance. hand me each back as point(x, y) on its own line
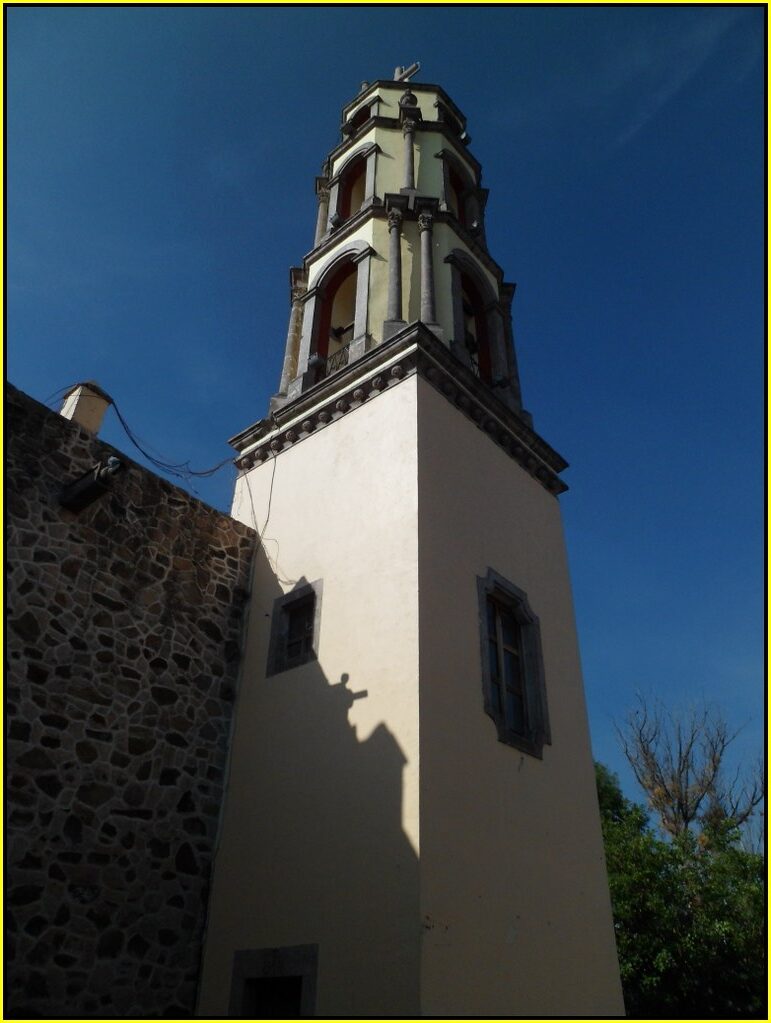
point(410, 824)
point(399, 239)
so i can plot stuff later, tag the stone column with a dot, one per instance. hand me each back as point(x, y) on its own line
point(369, 180)
point(361, 339)
point(444, 188)
point(333, 218)
point(394, 265)
point(322, 193)
point(304, 377)
point(427, 299)
point(408, 128)
point(289, 369)
point(394, 313)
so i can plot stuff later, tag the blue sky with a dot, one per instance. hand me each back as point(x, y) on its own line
point(160, 183)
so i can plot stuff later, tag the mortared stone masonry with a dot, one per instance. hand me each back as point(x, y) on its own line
point(123, 646)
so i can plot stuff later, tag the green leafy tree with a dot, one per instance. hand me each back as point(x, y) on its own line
point(689, 915)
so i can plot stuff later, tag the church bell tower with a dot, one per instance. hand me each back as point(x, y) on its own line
point(410, 824)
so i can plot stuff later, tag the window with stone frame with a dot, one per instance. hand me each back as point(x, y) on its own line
point(513, 685)
point(294, 632)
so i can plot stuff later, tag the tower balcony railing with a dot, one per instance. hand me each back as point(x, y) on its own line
point(326, 367)
point(337, 361)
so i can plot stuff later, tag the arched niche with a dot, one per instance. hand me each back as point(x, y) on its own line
point(334, 330)
point(475, 330)
point(353, 186)
point(479, 337)
point(359, 118)
point(337, 312)
point(460, 194)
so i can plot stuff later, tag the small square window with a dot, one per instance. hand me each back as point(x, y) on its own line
point(294, 629)
point(512, 665)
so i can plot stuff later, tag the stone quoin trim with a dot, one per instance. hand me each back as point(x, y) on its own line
point(414, 349)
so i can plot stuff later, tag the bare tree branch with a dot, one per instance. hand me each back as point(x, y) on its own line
point(679, 762)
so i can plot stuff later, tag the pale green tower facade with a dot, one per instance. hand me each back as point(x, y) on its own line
point(411, 825)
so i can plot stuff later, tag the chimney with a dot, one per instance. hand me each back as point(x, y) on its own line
point(86, 404)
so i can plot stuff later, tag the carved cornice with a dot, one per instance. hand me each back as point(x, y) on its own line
point(416, 87)
point(438, 127)
point(298, 284)
point(413, 350)
point(348, 227)
point(376, 208)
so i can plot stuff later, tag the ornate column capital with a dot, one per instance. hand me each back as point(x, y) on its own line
point(394, 219)
point(322, 194)
point(409, 127)
point(425, 221)
point(298, 292)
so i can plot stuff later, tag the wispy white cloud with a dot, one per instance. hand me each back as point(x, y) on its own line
point(672, 61)
point(630, 76)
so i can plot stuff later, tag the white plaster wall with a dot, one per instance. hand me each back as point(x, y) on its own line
point(411, 270)
point(388, 102)
point(514, 897)
point(320, 831)
point(378, 280)
point(428, 169)
point(389, 173)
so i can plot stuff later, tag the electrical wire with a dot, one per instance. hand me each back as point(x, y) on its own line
point(262, 539)
point(270, 501)
point(180, 470)
point(57, 396)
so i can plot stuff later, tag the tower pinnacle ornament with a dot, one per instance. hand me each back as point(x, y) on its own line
point(403, 74)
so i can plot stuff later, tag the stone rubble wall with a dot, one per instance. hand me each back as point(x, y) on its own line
point(123, 645)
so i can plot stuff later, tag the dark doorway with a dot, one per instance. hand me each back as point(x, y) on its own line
point(273, 997)
point(274, 983)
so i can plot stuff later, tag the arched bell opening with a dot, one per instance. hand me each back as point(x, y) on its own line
point(456, 196)
point(336, 319)
point(353, 187)
point(476, 335)
point(361, 117)
point(351, 192)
